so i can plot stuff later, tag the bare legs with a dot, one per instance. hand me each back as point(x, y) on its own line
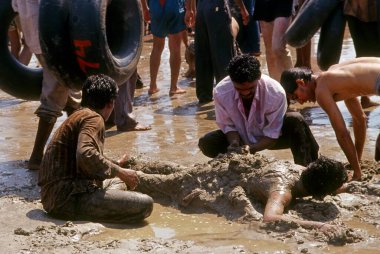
point(174, 60)
point(278, 56)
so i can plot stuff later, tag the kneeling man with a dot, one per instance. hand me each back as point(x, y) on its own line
point(250, 110)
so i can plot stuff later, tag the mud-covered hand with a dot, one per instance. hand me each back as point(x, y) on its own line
point(123, 160)
point(129, 176)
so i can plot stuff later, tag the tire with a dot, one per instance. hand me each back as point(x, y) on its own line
point(15, 78)
point(57, 51)
point(309, 19)
point(105, 38)
point(331, 39)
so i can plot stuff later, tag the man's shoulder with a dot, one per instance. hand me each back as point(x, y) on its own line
point(271, 85)
point(224, 86)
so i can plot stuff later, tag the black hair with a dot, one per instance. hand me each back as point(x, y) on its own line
point(290, 76)
point(323, 176)
point(244, 68)
point(97, 91)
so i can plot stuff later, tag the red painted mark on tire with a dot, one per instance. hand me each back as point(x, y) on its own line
point(80, 51)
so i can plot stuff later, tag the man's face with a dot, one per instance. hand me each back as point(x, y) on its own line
point(246, 90)
point(302, 94)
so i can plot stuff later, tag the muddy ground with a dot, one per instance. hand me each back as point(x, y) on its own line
point(177, 122)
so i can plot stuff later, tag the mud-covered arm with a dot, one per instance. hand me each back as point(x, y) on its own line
point(327, 103)
point(274, 211)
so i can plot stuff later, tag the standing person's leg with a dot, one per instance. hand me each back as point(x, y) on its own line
point(175, 41)
point(155, 60)
point(53, 100)
point(266, 32)
point(124, 118)
point(281, 53)
point(213, 143)
point(204, 72)
point(297, 136)
point(221, 39)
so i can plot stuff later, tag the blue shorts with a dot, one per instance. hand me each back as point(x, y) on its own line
point(168, 18)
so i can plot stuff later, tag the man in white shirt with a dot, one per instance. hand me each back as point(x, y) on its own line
point(251, 113)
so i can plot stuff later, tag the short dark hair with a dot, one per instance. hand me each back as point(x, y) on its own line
point(98, 90)
point(323, 176)
point(290, 76)
point(244, 68)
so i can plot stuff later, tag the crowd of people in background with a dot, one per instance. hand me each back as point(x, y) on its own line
point(251, 108)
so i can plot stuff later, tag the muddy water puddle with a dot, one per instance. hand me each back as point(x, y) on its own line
point(177, 123)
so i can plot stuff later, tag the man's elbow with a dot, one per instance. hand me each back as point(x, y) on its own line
point(271, 218)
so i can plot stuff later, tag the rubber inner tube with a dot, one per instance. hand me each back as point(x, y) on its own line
point(331, 39)
point(309, 19)
point(16, 79)
point(93, 36)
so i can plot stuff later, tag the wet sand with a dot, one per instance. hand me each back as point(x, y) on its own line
point(176, 122)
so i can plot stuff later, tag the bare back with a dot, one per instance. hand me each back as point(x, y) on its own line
point(349, 79)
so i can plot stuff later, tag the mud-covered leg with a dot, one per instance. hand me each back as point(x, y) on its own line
point(238, 199)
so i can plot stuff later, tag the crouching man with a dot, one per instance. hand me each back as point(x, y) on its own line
point(77, 181)
point(250, 110)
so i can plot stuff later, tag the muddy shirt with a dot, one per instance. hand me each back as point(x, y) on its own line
point(277, 176)
point(364, 10)
point(74, 162)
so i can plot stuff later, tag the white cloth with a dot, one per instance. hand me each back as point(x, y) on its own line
point(265, 117)
point(28, 11)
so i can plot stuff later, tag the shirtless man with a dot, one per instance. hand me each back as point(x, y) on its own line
point(345, 81)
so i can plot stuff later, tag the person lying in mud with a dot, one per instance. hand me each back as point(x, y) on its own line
point(277, 186)
point(250, 110)
point(77, 181)
point(341, 82)
point(230, 183)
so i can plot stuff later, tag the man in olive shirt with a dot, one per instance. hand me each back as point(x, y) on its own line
point(74, 169)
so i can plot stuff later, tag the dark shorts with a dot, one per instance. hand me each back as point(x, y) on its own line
point(168, 18)
point(268, 10)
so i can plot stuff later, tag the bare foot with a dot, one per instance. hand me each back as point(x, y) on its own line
point(177, 91)
point(137, 127)
point(153, 91)
point(366, 102)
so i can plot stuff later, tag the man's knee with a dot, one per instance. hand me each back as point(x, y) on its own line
point(203, 146)
point(294, 119)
